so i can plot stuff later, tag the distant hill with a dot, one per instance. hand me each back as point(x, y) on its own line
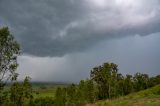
point(149, 97)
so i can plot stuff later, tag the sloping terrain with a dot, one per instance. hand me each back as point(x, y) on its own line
point(149, 97)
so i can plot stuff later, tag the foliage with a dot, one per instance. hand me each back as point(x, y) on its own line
point(106, 78)
point(149, 97)
point(128, 85)
point(19, 94)
point(9, 50)
point(105, 82)
point(141, 81)
point(43, 101)
point(60, 97)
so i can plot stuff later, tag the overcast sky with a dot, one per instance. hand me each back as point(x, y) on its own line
point(62, 40)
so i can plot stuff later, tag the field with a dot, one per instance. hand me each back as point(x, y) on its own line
point(149, 97)
point(45, 89)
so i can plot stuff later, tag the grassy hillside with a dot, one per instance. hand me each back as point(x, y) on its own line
point(149, 97)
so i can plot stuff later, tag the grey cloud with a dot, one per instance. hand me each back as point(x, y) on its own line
point(132, 54)
point(59, 27)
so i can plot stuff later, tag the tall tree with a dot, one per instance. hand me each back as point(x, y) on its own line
point(120, 85)
point(82, 91)
point(72, 95)
point(9, 50)
point(141, 81)
point(60, 97)
point(90, 91)
point(21, 93)
point(105, 77)
point(128, 84)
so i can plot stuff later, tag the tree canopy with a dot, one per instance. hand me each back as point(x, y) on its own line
point(9, 50)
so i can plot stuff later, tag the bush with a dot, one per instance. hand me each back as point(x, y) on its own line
point(44, 101)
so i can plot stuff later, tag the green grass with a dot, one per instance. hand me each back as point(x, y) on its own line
point(45, 90)
point(42, 89)
point(48, 92)
point(149, 97)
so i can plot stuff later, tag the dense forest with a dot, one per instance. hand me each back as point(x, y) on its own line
point(105, 82)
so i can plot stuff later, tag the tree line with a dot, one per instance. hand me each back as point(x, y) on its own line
point(105, 82)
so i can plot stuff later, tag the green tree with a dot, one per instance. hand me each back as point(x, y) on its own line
point(21, 93)
point(86, 92)
point(81, 92)
point(128, 84)
point(154, 81)
point(141, 81)
point(120, 85)
point(9, 50)
point(60, 97)
point(72, 95)
point(90, 91)
point(105, 77)
point(157, 79)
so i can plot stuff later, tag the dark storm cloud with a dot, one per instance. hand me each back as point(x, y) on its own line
point(131, 54)
point(59, 27)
